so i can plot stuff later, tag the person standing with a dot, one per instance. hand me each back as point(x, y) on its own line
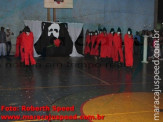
point(94, 37)
point(129, 41)
point(110, 44)
point(8, 40)
point(103, 40)
point(27, 40)
point(2, 42)
point(98, 44)
point(87, 43)
point(117, 43)
point(137, 41)
point(18, 52)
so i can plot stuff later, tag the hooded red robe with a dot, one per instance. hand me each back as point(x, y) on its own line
point(87, 42)
point(128, 41)
point(104, 47)
point(18, 43)
point(97, 46)
point(20, 47)
point(28, 48)
point(110, 45)
point(117, 43)
point(93, 40)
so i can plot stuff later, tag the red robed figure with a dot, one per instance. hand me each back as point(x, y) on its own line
point(93, 40)
point(128, 41)
point(96, 49)
point(117, 42)
point(110, 45)
point(28, 48)
point(104, 48)
point(87, 42)
point(20, 47)
point(99, 38)
point(18, 43)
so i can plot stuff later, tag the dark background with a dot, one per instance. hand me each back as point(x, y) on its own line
point(160, 11)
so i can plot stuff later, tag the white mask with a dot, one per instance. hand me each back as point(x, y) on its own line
point(27, 33)
point(129, 32)
point(54, 29)
point(119, 32)
point(112, 32)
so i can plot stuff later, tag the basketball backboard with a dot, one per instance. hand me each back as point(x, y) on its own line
point(58, 3)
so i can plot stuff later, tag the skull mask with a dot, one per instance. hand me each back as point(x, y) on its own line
point(53, 29)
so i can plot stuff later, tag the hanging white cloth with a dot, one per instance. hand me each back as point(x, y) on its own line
point(74, 30)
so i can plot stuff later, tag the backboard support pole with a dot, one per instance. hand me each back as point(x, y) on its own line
point(54, 14)
point(48, 14)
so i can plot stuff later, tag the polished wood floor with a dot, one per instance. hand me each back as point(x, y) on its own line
point(92, 86)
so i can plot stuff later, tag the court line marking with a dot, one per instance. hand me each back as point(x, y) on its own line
point(103, 81)
point(94, 77)
point(3, 89)
point(50, 101)
point(129, 83)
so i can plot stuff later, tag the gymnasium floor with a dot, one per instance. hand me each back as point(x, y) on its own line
point(92, 87)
